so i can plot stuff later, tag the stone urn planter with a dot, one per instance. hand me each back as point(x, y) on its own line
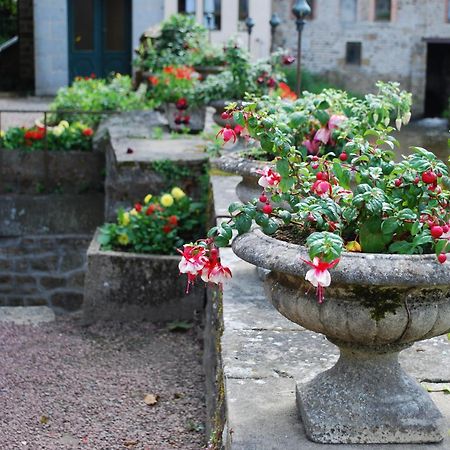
point(248, 188)
point(127, 286)
point(366, 397)
point(192, 118)
point(205, 71)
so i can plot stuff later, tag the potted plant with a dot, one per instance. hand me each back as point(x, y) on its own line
point(370, 235)
point(175, 88)
point(132, 264)
point(313, 125)
point(208, 60)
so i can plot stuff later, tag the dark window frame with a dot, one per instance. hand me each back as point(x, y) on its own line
point(385, 16)
point(353, 53)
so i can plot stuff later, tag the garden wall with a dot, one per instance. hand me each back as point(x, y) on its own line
point(50, 206)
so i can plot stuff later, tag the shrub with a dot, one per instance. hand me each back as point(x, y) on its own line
point(93, 94)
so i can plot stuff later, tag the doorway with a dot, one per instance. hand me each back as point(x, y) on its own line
point(438, 79)
point(99, 37)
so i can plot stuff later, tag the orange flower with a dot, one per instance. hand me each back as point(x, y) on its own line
point(153, 80)
point(286, 92)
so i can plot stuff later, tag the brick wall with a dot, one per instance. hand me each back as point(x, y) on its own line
point(393, 50)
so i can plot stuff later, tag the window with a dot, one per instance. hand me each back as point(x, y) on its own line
point(186, 6)
point(448, 10)
point(212, 8)
point(348, 10)
point(353, 53)
point(383, 10)
point(243, 14)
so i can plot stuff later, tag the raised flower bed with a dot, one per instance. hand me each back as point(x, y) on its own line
point(132, 264)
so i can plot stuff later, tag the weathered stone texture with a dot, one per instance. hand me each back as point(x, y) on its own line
point(394, 50)
point(129, 286)
point(43, 270)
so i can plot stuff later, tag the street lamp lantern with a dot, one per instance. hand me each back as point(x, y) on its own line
point(301, 10)
point(209, 21)
point(249, 23)
point(274, 21)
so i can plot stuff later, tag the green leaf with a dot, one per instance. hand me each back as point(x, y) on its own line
point(239, 118)
point(283, 167)
point(440, 246)
point(402, 247)
point(270, 227)
point(234, 207)
point(243, 223)
point(389, 226)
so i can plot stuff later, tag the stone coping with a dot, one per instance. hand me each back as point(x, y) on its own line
point(263, 356)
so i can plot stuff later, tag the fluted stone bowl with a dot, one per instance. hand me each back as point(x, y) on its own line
point(376, 305)
point(248, 189)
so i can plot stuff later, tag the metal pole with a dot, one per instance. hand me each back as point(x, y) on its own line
point(300, 24)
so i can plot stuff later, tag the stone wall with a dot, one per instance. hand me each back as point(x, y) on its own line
point(394, 50)
point(43, 270)
point(50, 206)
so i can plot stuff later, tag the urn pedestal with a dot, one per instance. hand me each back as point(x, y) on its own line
point(366, 397)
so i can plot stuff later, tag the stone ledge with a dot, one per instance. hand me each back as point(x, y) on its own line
point(263, 355)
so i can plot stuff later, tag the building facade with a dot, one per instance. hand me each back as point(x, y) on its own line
point(354, 43)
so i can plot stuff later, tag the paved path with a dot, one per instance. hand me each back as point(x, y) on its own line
point(25, 103)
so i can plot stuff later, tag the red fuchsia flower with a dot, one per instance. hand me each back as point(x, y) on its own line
point(88, 132)
point(312, 146)
point(319, 276)
point(215, 273)
point(181, 104)
point(287, 60)
point(193, 259)
point(186, 120)
point(238, 129)
point(271, 83)
point(227, 134)
point(269, 177)
point(324, 134)
point(322, 188)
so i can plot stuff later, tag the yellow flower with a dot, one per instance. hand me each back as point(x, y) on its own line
point(125, 219)
point(133, 212)
point(2, 134)
point(64, 124)
point(167, 200)
point(353, 246)
point(178, 193)
point(58, 131)
point(123, 239)
point(148, 198)
point(118, 75)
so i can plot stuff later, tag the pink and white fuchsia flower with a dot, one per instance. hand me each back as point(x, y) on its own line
point(319, 276)
point(324, 134)
point(201, 260)
point(269, 177)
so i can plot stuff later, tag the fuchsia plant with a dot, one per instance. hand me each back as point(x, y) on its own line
point(365, 201)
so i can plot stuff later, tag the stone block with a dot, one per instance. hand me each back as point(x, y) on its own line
point(51, 282)
point(50, 214)
point(127, 286)
point(65, 301)
point(29, 315)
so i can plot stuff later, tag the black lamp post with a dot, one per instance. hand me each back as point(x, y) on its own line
point(300, 10)
point(274, 22)
point(249, 23)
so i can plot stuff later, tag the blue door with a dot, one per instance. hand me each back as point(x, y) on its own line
point(99, 37)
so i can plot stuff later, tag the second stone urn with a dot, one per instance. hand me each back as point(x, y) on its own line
point(376, 306)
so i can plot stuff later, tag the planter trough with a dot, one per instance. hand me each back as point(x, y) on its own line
point(129, 286)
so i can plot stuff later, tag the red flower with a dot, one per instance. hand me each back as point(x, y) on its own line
point(321, 188)
point(181, 104)
point(150, 210)
point(138, 207)
point(88, 132)
point(173, 220)
point(167, 229)
point(227, 134)
point(287, 60)
point(153, 80)
point(286, 92)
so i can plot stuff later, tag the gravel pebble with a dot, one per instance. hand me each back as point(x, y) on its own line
point(64, 386)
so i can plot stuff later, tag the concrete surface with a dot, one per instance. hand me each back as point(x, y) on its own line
point(30, 315)
point(264, 355)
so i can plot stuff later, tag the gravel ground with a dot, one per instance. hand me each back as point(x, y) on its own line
point(63, 386)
